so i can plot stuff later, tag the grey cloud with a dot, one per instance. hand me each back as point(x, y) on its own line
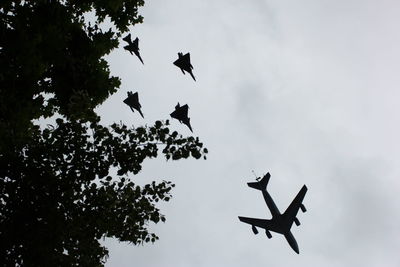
point(305, 90)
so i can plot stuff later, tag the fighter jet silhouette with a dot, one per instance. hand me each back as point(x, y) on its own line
point(133, 102)
point(183, 62)
point(132, 46)
point(181, 114)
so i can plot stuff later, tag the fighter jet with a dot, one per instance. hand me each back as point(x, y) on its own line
point(183, 62)
point(181, 114)
point(133, 102)
point(132, 46)
point(279, 223)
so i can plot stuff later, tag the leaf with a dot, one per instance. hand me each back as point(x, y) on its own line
point(62, 178)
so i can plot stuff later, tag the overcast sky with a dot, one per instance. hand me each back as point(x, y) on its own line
point(305, 90)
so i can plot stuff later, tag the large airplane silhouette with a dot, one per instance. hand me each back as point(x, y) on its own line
point(280, 223)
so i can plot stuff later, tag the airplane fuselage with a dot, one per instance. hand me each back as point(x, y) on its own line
point(271, 204)
point(279, 223)
point(277, 217)
point(292, 241)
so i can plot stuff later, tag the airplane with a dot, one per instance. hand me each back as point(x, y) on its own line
point(133, 102)
point(183, 62)
point(181, 114)
point(133, 46)
point(280, 223)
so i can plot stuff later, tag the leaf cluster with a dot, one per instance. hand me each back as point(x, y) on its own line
point(59, 194)
point(58, 198)
point(49, 50)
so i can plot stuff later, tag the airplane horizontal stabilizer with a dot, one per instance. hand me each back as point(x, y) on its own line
point(262, 184)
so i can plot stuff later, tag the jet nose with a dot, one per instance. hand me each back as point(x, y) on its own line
point(292, 242)
point(295, 247)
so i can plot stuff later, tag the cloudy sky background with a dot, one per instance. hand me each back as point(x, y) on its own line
point(307, 90)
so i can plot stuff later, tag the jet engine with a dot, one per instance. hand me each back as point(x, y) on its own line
point(296, 221)
point(268, 234)
point(303, 209)
point(255, 231)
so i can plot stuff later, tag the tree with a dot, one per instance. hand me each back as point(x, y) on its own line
point(57, 196)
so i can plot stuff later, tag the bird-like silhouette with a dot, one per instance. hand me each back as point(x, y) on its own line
point(133, 46)
point(183, 62)
point(181, 114)
point(133, 102)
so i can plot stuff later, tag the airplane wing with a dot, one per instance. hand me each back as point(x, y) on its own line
point(136, 43)
point(184, 110)
point(186, 60)
point(175, 114)
point(291, 212)
point(186, 57)
point(189, 63)
point(262, 223)
point(180, 113)
point(179, 62)
point(132, 99)
point(127, 38)
point(135, 97)
point(126, 101)
point(129, 48)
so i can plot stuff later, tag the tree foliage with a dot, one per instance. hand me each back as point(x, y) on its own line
point(58, 193)
point(60, 199)
point(48, 47)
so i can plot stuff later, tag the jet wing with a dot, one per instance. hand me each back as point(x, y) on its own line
point(136, 43)
point(184, 110)
point(175, 114)
point(184, 62)
point(291, 212)
point(128, 101)
point(127, 38)
point(262, 223)
point(180, 113)
point(132, 99)
point(135, 97)
point(186, 57)
point(179, 62)
point(129, 48)
point(187, 60)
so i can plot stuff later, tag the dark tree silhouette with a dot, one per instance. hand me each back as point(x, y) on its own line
point(58, 196)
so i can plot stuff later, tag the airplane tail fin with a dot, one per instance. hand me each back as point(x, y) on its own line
point(262, 184)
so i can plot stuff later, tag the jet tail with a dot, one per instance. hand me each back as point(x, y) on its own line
point(262, 184)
